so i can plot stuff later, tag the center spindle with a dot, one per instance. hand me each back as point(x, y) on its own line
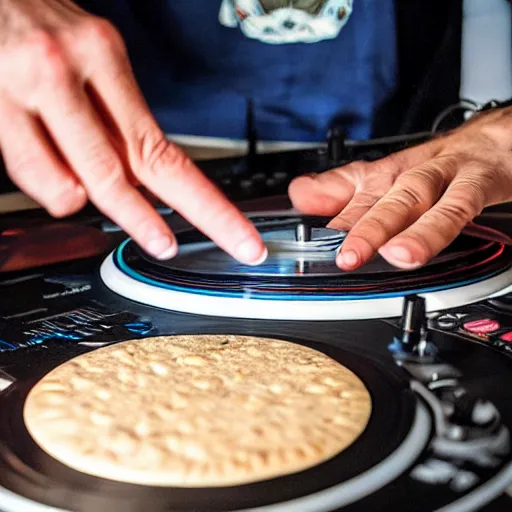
point(303, 232)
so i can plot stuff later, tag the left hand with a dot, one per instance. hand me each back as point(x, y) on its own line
point(412, 204)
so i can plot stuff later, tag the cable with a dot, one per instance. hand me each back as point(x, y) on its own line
point(466, 105)
point(471, 106)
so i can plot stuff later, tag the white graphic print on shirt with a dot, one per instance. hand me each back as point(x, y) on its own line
point(287, 21)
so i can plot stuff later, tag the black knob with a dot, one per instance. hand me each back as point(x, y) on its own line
point(414, 321)
point(335, 144)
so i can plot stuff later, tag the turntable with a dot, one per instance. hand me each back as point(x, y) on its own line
point(432, 346)
point(300, 280)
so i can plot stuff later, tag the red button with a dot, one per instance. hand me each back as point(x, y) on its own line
point(507, 336)
point(483, 326)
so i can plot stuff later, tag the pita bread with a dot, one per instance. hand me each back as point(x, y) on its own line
point(197, 411)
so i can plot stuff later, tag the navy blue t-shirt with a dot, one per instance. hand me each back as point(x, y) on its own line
point(303, 63)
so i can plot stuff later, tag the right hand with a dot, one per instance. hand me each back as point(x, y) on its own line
point(74, 125)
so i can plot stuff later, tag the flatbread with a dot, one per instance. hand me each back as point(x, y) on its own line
point(197, 411)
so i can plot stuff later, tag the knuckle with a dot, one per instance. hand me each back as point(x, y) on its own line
point(474, 201)
point(406, 198)
point(443, 167)
point(458, 212)
point(161, 159)
point(425, 183)
point(105, 175)
point(469, 195)
point(49, 58)
point(42, 45)
point(477, 184)
point(102, 33)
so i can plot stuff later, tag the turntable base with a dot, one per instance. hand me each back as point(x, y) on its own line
point(438, 372)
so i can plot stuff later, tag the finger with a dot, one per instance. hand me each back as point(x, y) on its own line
point(330, 192)
point(463, 200)
point(323, 194)
point(34, 165)
point(77, 130)
point(362, 201)
point(169, 174)
point(113, 133)
point(163, 168)
point(412, 194)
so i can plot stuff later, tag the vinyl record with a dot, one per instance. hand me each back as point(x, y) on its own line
point(300, 280)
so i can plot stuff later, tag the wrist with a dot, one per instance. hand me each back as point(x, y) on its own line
point(501, 112)
point(495, 122)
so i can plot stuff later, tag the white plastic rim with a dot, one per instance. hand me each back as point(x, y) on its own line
point(240, 307)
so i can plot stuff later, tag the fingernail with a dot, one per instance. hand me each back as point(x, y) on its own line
point(250, 252)
point(162, 248)
point(262, 258)
point(399, 257)
point(400, 253)
point(348, 259)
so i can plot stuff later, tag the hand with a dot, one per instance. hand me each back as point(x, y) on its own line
point(412, 204)
point(74, 125)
